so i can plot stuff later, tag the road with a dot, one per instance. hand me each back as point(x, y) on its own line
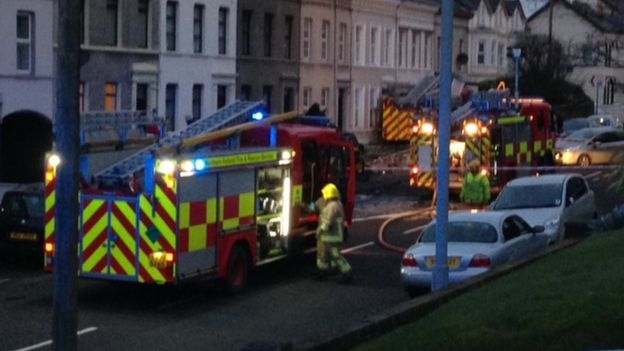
point(284, 303)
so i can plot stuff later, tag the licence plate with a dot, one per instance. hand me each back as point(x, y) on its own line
point(453, 262)
point(23, 236)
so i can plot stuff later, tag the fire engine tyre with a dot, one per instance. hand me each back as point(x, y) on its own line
point(584, 161)
point(237, 270)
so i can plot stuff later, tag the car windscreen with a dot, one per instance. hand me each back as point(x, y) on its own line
point(23, 205)
point(572, 125)
point(463, 232)
point(529, 196)
point(583, 134)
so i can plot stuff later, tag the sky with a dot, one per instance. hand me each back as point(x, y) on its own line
point(530, 6)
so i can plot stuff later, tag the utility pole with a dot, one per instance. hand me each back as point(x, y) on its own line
point(65, 316)
point(516, 52)
point(550, 28)
point(441, 270)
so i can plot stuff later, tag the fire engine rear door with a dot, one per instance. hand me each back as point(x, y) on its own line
point(108, 237)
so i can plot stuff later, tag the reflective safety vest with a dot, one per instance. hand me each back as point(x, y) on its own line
point(330, 223)
point(476, 189)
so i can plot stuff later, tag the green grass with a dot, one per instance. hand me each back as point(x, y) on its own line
point(570, 300)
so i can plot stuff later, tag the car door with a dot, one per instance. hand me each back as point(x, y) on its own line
point(582, 206)
point(515, 245)
point(533, 241)
point(602, 147)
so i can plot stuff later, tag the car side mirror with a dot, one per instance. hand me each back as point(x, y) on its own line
point(538, 229)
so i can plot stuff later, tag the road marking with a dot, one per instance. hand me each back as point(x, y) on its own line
point(49, 342)
point(4, 280)
point(384, 216)
point(354, 248)
point(410, 231)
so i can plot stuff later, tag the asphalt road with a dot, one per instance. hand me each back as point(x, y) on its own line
point(284, 303)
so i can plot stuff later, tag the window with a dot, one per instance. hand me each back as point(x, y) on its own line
point(358, 45)
point(110, 97)
point(246, 32)
point(143, 23)
point(141, 97)
point(268, 34)
point(267, 92)
point(25, 40)
point(324, 97)
point(575, 188)
point(81, 97)
point(415, 49)
point(493, 53)
point(325, 41)
point(198, 28)
point(373, 46)
point(342, 34)
point(481, 52)
point(357, 104)
point(306, 42)
point(289, 99)
point(112, 22)
point(511, 230)
point(374, 94)
point(307, 96)
point(198, 90)
point(245, 92)
point(388, 48)
point(223, 17)
point(288, 33)
point(170, 106)
point(172, 17)
point(428, 51)
point(403, 47)
point(221, 95)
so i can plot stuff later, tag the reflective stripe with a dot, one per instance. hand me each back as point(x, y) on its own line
point(511, 120)
point(509, 150)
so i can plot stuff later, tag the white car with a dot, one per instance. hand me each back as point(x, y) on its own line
point(477, 243)
point(555, 201)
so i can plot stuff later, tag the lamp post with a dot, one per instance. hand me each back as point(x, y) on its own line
point(516, 52)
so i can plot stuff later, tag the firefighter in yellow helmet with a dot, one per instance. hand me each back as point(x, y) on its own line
point(476, 186)
point(329, 235)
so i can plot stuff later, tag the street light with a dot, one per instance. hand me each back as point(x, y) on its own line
point(516, 52)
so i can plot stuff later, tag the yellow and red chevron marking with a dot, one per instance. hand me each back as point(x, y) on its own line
point(198, 225)
point(94, 236)
point(50, 211)
point(157, 228)
point(236, 210)
point(397, 125)
point(425, 180)
point(123, 227)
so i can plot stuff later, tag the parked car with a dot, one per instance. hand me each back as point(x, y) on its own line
point(588, 146)
point(555, 201)
point(22, 219)
point(571, 125)
point(604, 121)
point(477, 243)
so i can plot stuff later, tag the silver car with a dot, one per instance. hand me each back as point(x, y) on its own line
point(555, 201)
point(588, 146)
point(477, 243)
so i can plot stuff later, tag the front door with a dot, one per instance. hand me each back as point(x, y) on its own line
point(108, 238)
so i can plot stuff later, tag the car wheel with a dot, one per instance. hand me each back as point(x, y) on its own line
point(583, 161)
point(237, 270)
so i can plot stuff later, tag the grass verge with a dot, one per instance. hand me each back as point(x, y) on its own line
point(570, 300)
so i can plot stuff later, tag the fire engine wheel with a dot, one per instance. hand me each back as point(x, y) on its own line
point(583, 161)
point(237, 270)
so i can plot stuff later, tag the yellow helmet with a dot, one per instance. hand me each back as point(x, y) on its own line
point(330, 191)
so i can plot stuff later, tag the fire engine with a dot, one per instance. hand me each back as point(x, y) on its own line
point(506, 135)
point(214, 200)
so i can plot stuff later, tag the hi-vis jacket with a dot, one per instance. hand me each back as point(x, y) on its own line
point(331, 220)
point(476, 189)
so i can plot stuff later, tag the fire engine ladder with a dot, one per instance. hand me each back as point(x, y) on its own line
point(462, 112)
point(427, 86)
point(230, 115)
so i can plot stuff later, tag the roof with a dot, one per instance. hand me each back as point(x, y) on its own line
point(510, 6)
point(604, 22)
point(542, 179)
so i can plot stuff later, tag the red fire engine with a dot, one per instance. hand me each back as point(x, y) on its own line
point(215, 201)
point(508, 137)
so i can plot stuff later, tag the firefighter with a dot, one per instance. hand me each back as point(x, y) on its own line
point(476, 187)
point(329, 235)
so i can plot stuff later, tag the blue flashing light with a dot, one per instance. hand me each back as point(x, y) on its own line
point(200, 165)
point(258, 116)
